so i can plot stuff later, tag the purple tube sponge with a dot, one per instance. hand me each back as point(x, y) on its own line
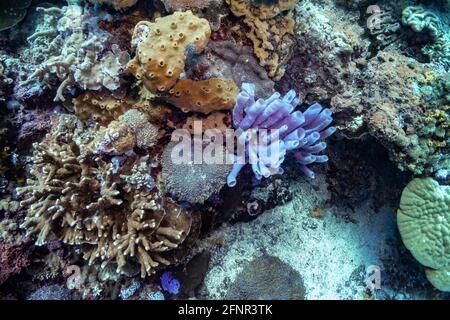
point(271, 122)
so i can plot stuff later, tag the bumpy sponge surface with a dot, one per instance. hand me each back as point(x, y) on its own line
point(160, 57)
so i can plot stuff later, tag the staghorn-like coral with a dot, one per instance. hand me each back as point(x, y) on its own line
point(80, 199)
point(271, 31)
point(287, 130)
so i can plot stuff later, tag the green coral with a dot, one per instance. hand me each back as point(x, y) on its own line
point(435, 24)
point(12, 12)
point(424, 224)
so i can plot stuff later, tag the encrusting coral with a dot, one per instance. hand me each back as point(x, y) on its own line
point(271, 31)
point(101, 106)
point(424, 224)
point(80, 199)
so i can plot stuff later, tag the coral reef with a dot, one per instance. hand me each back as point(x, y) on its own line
point(271, 31)
point(82, 61)
point(204, 96)
point(230, 60)
point(160, 53)
point(183, 5)
point(78, 198)
point(13, 257)
point(423, 20)
point(100, 107)
point(424, 221)
point(135, 136)
point(190, 181)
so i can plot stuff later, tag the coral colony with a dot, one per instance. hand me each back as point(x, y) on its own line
point(224, 149)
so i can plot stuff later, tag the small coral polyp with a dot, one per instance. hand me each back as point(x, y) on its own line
point(81, 199)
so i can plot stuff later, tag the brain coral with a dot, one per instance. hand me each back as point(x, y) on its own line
point(191, 182)
point(81, 199)
point(424, 224)
point(160, 54)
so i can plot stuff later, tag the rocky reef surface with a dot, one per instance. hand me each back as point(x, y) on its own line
point(335, 186)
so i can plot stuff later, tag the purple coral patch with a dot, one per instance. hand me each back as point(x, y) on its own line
point(298, 131)
point(169, 283)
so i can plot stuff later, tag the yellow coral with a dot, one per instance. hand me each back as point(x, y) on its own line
point(117, 4)
point(216, 120)
point(160, 57)
point(270, 32)
point(100, 107)
point(204, 96)
point(429, 76)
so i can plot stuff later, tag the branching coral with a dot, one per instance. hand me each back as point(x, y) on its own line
point(83, 61)
point(81, 199)
point(271, 31)
point(424, 224)
point(287, 130)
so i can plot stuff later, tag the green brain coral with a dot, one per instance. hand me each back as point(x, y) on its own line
point(12, 12)
point(424, 224)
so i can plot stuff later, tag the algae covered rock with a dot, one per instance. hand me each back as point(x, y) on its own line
point(267, 277)
point(424, 223)
point(12, 12)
